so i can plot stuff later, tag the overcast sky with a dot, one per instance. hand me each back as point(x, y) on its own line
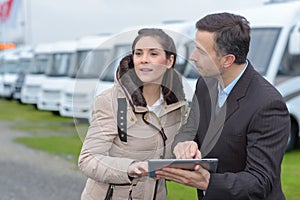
point(52, 20)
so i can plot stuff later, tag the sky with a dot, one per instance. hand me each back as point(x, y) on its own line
point(53, 20)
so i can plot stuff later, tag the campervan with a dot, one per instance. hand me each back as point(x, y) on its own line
point(56, 76)
point(25, 60)
point(33, 80)
point(275, 52)
point(91, 56)
point(9, 73)
point(1, 71)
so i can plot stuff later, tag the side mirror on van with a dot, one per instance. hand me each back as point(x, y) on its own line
point(294, 42)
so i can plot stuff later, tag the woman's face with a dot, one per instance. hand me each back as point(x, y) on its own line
point(150, 62)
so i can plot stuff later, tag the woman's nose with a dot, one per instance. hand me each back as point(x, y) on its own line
point(145, 58)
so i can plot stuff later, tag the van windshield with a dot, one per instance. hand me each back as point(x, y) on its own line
point(118, 52)
point(262, 44)
point(60, 65)
point(25, 65)
point(40, 63)
point(89, 64)
point(11, 67)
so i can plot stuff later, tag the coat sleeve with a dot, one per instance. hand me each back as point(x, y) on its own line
point(94, 160)
point(266, 140)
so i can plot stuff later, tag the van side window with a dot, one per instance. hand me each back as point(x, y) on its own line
point(290, 64)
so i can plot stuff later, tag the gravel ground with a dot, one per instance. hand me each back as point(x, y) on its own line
point(27, 174)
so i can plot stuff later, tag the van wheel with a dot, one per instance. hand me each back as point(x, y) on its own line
point(293, 137)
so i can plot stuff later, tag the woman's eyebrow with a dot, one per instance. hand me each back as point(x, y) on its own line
point(151, 49)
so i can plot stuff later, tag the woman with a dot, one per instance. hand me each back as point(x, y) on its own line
point(114, 154)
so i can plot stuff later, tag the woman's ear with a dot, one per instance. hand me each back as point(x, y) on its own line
point(171, 60)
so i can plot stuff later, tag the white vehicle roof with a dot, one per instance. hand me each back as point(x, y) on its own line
point(10, 56)
point(43, 48)
point(175, 30)
point(272, 15)
point(92, 42)
point(26, 53)
point(65, 46)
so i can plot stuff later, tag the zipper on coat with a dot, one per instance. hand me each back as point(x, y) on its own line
point(164, 138)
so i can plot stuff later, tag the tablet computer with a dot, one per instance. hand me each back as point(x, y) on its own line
point(208, 163)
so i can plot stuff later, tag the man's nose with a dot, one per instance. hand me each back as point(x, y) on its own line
point(192, 56)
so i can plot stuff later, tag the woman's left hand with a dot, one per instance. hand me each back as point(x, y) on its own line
point(137, 169)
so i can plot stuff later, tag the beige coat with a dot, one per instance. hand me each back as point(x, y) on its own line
point(104, 158)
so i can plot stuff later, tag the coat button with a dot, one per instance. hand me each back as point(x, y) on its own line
point(145, 118)
point(131, 119)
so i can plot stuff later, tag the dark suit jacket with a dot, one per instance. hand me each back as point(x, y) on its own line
point(249, 137)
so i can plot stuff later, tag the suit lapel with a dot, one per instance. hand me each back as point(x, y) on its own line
point(231, 106)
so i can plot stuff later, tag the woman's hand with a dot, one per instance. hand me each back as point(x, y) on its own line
point(137, 169)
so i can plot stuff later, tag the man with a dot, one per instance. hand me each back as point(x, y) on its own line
point(236, 116)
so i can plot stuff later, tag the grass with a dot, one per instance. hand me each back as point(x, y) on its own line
point(291, 174)
point(60, 136)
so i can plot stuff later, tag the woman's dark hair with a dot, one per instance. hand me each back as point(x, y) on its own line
point(172, 88)
point(162, 38)
point(232, 34)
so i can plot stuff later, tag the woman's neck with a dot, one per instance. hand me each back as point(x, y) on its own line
point(151, 93)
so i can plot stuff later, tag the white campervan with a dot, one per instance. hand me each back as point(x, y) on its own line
point(275, 52)
point(91, 56)
point(33, 80)
point(24, 62)
point(9, 73)
point(1, 71)
point(56, 76)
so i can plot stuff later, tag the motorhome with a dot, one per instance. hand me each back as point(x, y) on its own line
point(33, 80)
point(56, 76)
point(275, 52)
point(24, 62)
point(9, 73)
point(1, 71)
point(91, 55)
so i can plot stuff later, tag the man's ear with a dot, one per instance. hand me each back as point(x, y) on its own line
point(228, 60)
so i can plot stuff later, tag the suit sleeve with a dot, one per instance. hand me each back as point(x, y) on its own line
point(188, 131)
point(266, 141)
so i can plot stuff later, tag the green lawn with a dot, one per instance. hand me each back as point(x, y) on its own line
point(62, 136)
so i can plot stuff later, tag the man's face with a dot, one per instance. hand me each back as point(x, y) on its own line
point(204, 55)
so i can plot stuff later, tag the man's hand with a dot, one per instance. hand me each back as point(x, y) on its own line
point(187, 150)
point(198, 178)
point(137, 169)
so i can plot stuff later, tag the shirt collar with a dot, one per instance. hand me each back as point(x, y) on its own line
point(229, 87)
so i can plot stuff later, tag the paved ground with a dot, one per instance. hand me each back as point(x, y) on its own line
point(26, 174)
